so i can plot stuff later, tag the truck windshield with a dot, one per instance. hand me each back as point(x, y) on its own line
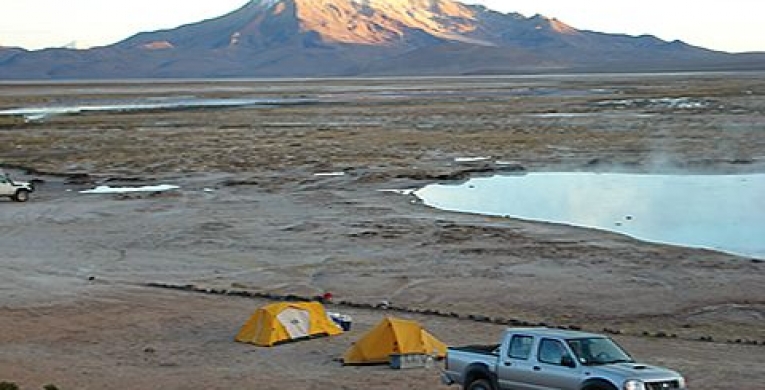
point(598, 350)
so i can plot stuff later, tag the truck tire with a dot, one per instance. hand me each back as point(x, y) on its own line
point(21, 196)
point(480, 384)
point(600, 386)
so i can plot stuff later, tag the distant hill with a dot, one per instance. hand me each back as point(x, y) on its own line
point(291, 38)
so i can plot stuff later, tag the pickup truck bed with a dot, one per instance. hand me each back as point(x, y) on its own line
point(491, 349)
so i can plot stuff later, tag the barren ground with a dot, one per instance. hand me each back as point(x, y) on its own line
point(252, 216)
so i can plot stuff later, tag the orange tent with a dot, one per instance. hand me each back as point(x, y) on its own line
point(393, 336)
point(278, 323)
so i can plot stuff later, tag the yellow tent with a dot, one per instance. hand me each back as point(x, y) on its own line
point(283, 322)
point(393, 336)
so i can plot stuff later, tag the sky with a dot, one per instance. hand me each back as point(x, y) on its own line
point(730, 25)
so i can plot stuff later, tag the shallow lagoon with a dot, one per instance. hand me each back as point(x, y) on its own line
point(720, 212)
point(39, 113)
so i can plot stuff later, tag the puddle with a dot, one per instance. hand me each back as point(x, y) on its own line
point(471, 159)
point(683, 103)
point(124, 190)
point(568, 115)
point(405, 191)
point(720, 212)
point(329, 174)
point(39, 113)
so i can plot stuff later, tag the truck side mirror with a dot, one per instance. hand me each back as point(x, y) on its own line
point(567, 361)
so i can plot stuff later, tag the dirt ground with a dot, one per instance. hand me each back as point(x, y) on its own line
point(251, 215)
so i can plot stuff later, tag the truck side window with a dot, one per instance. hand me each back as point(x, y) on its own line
point(551, 351)
point(520, 347)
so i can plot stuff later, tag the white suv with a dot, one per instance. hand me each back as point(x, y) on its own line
point(16, 190)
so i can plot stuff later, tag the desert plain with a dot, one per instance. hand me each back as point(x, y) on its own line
point(290, 200)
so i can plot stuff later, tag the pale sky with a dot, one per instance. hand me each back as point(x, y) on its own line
point(729, 25)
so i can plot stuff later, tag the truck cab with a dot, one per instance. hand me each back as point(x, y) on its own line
point(542, 358)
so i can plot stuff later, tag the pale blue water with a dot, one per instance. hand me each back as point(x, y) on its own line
point(148, 104)
point(720, 212)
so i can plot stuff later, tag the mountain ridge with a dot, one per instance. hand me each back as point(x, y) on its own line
point(316, 38)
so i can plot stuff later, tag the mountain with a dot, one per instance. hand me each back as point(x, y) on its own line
point(290, 38)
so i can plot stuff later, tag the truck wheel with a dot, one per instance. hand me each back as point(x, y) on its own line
point(599, 386)
point(21, 196)
point(480, 384)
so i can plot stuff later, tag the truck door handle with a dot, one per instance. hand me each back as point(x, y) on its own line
point(537, 368)
point(508, 364)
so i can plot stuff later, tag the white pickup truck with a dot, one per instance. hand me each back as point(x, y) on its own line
point(553, 359)
point(16, 190)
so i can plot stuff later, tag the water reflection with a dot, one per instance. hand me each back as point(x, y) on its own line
point(721, 212)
